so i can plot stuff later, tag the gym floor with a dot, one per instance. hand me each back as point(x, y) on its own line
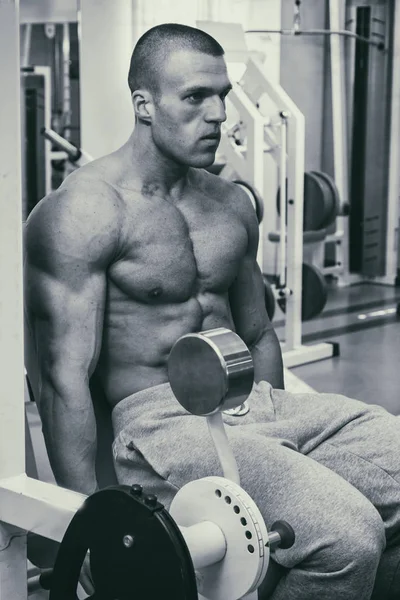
point(362, 320)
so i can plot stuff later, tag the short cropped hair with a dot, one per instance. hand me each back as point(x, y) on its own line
point(157, 43)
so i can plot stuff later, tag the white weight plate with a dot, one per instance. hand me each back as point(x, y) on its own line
point(226, 504)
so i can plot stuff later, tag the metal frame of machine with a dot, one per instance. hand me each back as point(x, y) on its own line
point(25, 504)
point(282, 135)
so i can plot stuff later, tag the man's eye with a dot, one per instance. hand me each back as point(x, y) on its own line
point(195, 98)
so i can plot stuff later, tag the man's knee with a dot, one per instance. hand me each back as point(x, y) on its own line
point(349, 555)
point(342, 545)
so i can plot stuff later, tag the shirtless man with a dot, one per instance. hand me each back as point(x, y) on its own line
point(142, 246)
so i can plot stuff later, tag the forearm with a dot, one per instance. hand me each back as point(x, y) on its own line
point(70, 433)
point(267, 359)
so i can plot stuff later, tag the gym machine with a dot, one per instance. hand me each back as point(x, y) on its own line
point(266, 123)
point(213, 540)
point(37, 157)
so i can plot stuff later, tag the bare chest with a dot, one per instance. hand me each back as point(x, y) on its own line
point(175, 251)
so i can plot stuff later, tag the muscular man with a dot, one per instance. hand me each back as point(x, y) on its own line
point(144, 245)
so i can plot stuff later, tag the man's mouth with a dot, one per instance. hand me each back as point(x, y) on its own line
point(212, 136)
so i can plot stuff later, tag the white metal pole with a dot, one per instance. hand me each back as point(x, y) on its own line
point(12, 435)
point(339, 119)
point(394, 157)
point(296, 159)
point(66, 102)
point(283, 201)
point(12, 453)
point(45, 72)
point(255, 158)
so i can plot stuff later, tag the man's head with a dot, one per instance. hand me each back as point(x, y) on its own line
point(178, 79)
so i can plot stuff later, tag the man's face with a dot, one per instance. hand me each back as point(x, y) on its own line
point(190, 108)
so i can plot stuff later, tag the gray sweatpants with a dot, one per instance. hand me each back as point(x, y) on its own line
point(328, 465)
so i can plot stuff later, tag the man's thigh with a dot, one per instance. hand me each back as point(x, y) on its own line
point(366, 453)
point(324, 510)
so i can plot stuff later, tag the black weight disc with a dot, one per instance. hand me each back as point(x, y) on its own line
point(313, 294)
point(321, 201)
point(269, 298)
point(136, 549)
point(318, 202)
point(254, 196)
point(334, 209)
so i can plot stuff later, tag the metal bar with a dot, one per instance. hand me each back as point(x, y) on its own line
point(249, 164)
point(339, 127)
point(36, 506)
point(12, 435)
point(305, 354)
point(283, 201)
point(45, 72)
point(206, 543)
point(72, 151)
point(66, 86)
point(26, 45)
point(296, 160)
point(394, 156)
point(340, 32)
point(11, 309)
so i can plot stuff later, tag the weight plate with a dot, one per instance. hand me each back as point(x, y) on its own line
point(317, 202)
point(135, 547)
point(254, 196)
point(335, 198)
point(313, 294)
point(226, 504)
point(269, 298)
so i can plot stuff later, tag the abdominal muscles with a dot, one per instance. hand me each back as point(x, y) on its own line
point(138, 337)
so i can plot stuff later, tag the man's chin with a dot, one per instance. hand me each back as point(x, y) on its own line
point(204, 161)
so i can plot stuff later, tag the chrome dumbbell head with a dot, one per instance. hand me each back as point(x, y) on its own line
point(210, 371)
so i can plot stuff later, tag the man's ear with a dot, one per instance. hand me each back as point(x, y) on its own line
point(143, 105)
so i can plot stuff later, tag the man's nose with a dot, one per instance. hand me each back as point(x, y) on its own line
point(215, 111)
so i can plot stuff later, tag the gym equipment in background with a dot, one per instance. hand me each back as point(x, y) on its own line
point(263, 127)
point(321, 209)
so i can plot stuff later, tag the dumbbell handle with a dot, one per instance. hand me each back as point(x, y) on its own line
point(223, 448)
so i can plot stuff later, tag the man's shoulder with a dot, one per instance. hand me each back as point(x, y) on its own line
point(215, 185)
point(83, 209)
point(82, 196)
point(227, 192)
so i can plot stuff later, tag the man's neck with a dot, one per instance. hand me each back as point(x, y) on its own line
point(159, 175)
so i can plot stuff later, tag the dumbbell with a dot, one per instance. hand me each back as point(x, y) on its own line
point(211, 372)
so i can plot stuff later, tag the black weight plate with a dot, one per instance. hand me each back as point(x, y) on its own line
point(315, 201)
point(313, 294)
point(156, 565)
point(269, 298)
point(335, 197)
point(255, 198)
